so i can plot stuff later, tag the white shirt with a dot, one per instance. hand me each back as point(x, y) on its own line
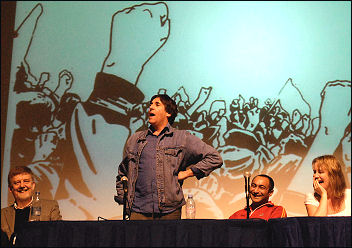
point(310, 200)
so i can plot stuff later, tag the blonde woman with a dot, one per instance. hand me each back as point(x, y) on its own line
point(330, 198)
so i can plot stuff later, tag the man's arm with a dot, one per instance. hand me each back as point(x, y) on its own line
point(113, 98)
point(55, 212)
point(240, 214)
point(119, 186)
point(279, 212)
point(5, 222)
point(122, 171)
point(202, 157)
point(182, 175)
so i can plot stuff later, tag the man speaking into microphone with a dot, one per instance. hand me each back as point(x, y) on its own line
point(261, 188)
point(156, 161)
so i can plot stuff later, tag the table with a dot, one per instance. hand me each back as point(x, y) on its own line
point(286, 232)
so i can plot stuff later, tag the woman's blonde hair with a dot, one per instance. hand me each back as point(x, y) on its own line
point(337, 182)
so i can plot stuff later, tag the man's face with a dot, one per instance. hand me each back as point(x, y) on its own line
point(157, 115)
point(22, 187)
point(259, 190)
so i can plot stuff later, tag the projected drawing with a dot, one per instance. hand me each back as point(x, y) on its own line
point(74, 157)
point(273, 140)
point(75, 146)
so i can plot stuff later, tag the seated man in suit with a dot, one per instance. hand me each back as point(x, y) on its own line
point(21, 184)
point(262, 187)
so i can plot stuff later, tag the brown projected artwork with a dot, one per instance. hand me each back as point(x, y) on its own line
point(71, 144)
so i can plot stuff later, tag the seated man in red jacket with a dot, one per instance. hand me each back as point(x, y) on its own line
point(262, 187)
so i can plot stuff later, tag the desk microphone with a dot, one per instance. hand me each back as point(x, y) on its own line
point(124, 181)
point(247, 176)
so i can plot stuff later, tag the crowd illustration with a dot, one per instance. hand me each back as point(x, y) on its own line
point(249, 137)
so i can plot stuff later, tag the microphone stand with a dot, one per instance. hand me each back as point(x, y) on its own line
point(247, 176)
point(124, 203)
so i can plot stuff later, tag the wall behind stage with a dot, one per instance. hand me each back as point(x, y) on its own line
point(266, 83)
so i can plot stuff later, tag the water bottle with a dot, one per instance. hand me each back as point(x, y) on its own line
point(36, 210)
point(190, 207)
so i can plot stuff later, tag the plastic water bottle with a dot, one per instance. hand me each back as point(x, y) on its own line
point(36, 210)
point(190, 207)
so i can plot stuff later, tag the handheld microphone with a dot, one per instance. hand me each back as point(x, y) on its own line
point(124, 181)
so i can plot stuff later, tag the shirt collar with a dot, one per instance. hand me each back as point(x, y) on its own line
point(16, 207)
point(269, 203)
point(151, 130)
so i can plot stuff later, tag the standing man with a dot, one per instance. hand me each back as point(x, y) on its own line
point(262, 187)
point(21, 184)
point(157, 160)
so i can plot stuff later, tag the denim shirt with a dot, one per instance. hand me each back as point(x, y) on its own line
point(176, 150)
point(145, 200)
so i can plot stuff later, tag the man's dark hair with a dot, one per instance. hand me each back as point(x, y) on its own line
point(18, 170)
point(271, 181)
point(170, 106)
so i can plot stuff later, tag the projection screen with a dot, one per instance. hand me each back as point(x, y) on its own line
point(268, 84)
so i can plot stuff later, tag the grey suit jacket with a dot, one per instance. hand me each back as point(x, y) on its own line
point(50, 211)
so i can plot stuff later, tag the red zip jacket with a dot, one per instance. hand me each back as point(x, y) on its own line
point(266, 211)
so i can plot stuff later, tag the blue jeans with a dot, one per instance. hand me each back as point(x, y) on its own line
point(175, 215)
